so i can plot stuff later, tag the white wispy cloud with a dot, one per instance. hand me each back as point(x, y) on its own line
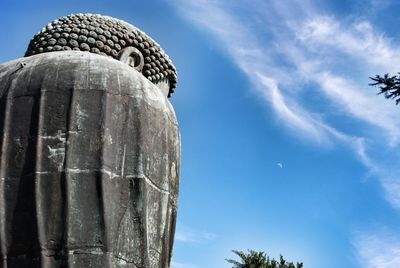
point(251, 57)
point(176, 264)
point(306, 49)
point(290, 113)
point(188, 234)
point(357, 40)
point(392, 190)
point(378, 250)
point(363, 46)
point(298, 52)
point(351, 99)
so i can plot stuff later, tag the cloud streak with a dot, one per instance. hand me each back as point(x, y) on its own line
point(378, 250)
point(298, 53)
point(315, 50)
point(189, 235)
point(357, 40)
point(251, 57)
point(362, 46)
point(182, 265)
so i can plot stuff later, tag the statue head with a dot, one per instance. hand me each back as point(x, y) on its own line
point(109, 37)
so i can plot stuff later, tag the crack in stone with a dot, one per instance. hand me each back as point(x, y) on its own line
point(149, 181)
point(125, 260)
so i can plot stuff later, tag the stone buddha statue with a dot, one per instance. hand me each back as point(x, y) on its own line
point(90, 148)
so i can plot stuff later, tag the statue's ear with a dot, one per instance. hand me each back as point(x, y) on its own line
point(133, 57)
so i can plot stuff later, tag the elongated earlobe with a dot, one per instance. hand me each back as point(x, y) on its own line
point(133, 57)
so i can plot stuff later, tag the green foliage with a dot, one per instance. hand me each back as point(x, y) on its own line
point(389, 86)
point(255, 259)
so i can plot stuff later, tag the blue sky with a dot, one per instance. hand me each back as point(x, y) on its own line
point(286, 149)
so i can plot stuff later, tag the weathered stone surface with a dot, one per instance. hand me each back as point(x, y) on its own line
point(106, 36)
point(90, 160)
